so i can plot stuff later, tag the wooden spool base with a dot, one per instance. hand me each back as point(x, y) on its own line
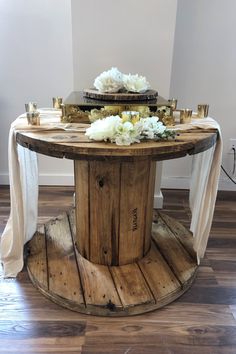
point(64, 276)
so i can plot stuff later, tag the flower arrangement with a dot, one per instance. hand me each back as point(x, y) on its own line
point(115, 130)
point(114, 81)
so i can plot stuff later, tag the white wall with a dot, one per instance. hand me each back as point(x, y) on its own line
point(36, 41)
point(204, 71)
point(135, 36)
point(35, 64)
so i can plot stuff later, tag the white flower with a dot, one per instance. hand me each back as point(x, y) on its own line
point(103, 129)
point(135, 83)
point(109, 81)
point(150, 127)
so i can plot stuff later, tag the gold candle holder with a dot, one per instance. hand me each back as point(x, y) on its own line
point(168, 120)
point(31, 107)
point(185, 115)
point(130, 116)
point(33, 118)
point(173, 103)
point(56, 102)
point(202, 110)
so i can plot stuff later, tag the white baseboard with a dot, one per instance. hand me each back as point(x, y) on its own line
point(158, 200)
point(167, 182)
point(56, 180)
point(184, 182)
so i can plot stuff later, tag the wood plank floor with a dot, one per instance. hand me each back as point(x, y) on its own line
point(202, 320)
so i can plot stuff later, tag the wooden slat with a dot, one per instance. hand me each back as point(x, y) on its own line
point(71, 218)
point(160, 278)
point(149, 207)
point(82, 199)
point(37, 261)
point(104, 184)
point(183, 235)
point(63, 273)
point(98, 286)
point(177, 257)
point(131, 285)
point(134, 193)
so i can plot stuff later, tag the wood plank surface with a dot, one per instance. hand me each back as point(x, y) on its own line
point(172, 250)
point(158, 275)
point(64, 279)
point(82, 194)
point(133, 210)
point(104, 185)
point(183, 235)
point(132, 290)
point(98, 286)
point(149, 207)
point(37, 262)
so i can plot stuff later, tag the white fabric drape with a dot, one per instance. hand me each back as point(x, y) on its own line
point(23, 174)
point(22, 223)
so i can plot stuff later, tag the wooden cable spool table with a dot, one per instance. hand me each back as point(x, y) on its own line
point(105, 256)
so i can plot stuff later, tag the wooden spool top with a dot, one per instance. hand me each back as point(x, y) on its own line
point(75, 145)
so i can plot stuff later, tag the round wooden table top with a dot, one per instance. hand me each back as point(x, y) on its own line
point(75, 145)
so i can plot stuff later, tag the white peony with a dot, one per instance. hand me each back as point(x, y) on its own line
point(135, 83)
point(109, 81)
point(103, 129)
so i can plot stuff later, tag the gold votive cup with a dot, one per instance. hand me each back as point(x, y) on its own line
point(130, 116)
point(173, 103)
point(33, 118)
point(185, 115)
point(56, 102)
point(202, 110)
point(168, 120)
point(31, 107)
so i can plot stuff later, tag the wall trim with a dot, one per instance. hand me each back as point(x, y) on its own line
point(67, 179)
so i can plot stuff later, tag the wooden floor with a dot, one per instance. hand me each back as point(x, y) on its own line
point(203, 320)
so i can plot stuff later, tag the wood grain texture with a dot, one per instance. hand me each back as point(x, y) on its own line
point(82, 205)
point(73, 146)
point(134, 215)
point(104, 184)
point(84, 286)
point(194, 324)
point(124, 96)
point(173, 251)
point(64, 279)
point(37, 263)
